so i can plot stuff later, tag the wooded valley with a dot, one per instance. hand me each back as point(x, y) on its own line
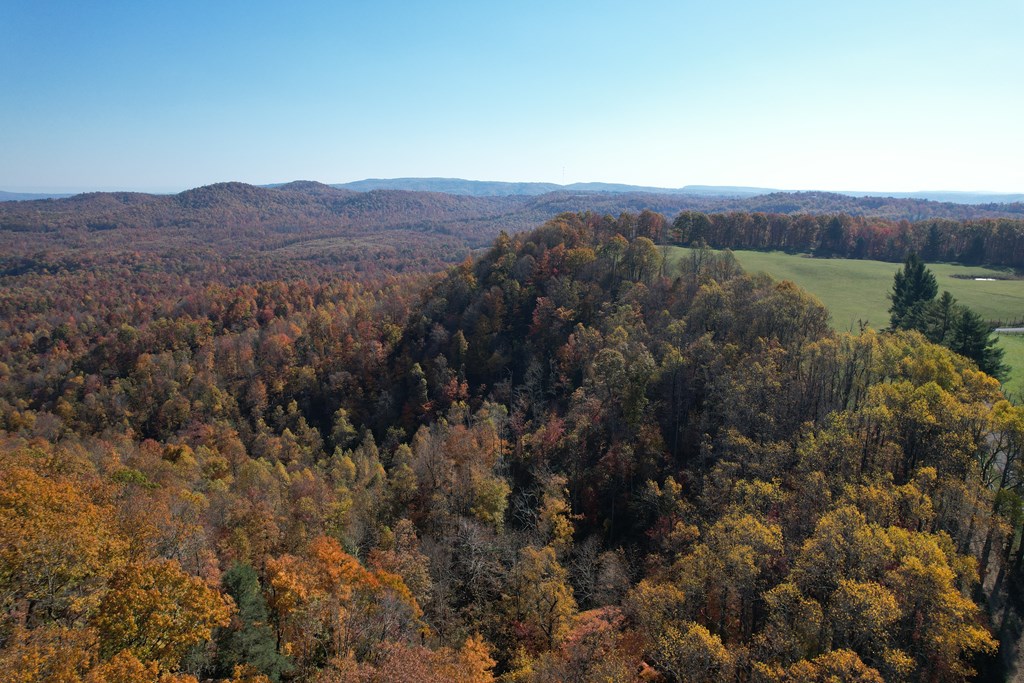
point(242, 446)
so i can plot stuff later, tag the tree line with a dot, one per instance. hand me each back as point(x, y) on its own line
point(995, 242)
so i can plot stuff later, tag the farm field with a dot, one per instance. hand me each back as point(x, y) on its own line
point(855, 290)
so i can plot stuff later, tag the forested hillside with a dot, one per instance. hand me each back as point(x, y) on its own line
point(563, 460)
point(314, 227)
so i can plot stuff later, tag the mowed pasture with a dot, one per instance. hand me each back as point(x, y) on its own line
point(855, 291)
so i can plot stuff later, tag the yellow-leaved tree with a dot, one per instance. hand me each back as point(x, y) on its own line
point(157, 612)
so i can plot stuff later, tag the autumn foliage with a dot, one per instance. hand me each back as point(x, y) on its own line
point(561, 460)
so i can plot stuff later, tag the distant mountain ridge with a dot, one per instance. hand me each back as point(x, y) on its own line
point(28, 196)
point(228, 210)
point(495, 188)
point(468, 188)
point(484, 188)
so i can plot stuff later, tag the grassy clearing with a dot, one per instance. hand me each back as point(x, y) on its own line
point(1013, 345)
point(855, 291)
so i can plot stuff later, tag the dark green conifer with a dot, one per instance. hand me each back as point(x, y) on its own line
point(938, 317)
point(913, 287)
point(943, 320)
point(250, 639)
point(970, 336)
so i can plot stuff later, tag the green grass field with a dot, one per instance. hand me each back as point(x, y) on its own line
point(855, 291)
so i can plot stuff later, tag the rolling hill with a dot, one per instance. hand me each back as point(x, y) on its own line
point(302, 206)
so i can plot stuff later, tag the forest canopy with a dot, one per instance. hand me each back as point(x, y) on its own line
point(560, 460)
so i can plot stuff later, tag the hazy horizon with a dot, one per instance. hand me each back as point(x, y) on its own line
point(177, 189)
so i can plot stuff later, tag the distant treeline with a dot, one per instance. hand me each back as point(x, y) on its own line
point(995, 242)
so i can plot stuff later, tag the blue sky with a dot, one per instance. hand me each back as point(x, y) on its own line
point(888, 96)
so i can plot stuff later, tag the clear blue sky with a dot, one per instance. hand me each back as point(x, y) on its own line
point(866, 95)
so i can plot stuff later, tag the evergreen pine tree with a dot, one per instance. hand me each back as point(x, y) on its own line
point(912, 288)
point(942, 320)
point(250, 639)
point(970, 336)
point(937, 318)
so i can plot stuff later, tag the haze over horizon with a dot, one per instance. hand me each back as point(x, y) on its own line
point(176, 189)
point(799, 95)
point(975, 196)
